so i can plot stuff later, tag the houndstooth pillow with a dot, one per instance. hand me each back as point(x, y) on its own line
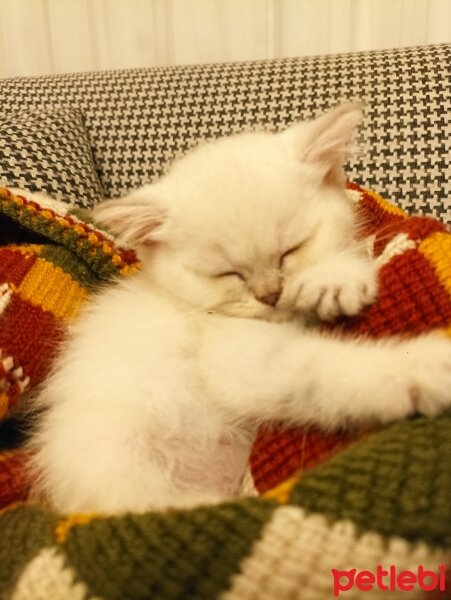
point(138, 120)
point(48, 151)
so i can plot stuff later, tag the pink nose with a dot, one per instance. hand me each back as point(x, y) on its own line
point(270, 299)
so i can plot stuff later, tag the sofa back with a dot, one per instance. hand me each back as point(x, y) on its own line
point(139, 119)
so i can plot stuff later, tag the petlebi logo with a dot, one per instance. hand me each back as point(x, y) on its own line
point(389, 579)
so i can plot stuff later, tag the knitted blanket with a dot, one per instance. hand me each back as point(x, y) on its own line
point(338, 515)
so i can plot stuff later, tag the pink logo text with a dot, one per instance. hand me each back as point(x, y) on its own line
point(389, 579)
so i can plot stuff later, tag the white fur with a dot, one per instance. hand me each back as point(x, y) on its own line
point(156, 398)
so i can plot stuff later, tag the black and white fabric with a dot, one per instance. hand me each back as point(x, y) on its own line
point(47, 150)
point(139, 120)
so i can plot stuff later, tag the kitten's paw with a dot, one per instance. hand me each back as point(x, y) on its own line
point(338, 288)
point(427, 364)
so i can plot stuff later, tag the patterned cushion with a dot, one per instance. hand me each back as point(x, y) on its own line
point(139, 119)
point(48, 151)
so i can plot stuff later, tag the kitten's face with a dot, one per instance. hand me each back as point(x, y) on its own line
point(244, 215)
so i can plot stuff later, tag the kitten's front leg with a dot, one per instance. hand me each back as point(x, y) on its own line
point(258, 371)
point(338, 285)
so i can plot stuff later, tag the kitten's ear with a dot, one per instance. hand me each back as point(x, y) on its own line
point(137, 219)
point(324, 142)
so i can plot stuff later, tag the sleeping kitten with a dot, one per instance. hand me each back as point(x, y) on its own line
point(156, 398)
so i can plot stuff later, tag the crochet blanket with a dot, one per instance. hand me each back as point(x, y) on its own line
point(337, 515)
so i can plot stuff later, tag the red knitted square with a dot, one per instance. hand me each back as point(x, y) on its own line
point(30, 336)
point(14, 265)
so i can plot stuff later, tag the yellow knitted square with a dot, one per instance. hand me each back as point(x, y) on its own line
point(437, 249)
point(48, 286)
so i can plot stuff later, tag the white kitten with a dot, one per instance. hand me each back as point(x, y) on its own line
point(157, 396)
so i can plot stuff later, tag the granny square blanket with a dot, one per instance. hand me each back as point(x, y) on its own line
point(328, 506)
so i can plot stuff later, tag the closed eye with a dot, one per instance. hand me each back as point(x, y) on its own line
point(231, 274)
point(290, 251)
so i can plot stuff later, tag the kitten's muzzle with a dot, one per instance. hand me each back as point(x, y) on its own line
point(270, 299)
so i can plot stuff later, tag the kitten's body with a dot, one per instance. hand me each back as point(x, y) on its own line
point(157, 396)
